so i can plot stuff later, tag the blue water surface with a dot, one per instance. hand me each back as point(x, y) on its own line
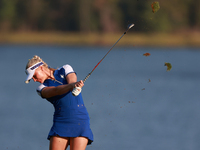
point(133, 102)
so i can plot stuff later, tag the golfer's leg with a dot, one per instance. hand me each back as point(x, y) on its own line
point(58, 143)
point(78, 143)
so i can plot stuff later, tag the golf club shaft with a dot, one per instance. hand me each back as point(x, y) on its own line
point(130, 26)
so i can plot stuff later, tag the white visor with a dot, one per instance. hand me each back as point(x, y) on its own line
point(31, 70)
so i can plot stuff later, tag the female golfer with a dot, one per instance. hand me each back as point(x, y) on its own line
point(71, 123)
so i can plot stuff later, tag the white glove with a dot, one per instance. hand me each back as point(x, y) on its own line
point(76, 91)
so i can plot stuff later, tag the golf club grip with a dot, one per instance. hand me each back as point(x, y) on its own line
point(77, 90)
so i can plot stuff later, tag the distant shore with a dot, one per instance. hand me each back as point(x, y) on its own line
point(130, 39)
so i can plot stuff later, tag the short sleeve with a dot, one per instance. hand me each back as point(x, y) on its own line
point(68, 69)
point(39, 89)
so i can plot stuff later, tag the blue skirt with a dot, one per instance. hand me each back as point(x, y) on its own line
point(72, 126)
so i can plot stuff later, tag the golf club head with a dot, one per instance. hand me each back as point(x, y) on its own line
point(130, 25)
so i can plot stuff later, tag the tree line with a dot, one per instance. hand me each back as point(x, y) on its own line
point(98, 15)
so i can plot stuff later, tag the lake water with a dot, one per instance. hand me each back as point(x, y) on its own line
point(133, 102)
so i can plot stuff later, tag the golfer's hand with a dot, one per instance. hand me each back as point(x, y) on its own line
point(77, 90)
point(79, 84)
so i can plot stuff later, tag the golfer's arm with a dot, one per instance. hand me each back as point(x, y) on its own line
point(71, 78)
point(48, 92)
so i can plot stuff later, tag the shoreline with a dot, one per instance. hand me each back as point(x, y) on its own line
point(100, 39)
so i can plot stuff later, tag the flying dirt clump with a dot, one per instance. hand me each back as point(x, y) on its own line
point(155, 7)
point(169, 66)
point(146, 54)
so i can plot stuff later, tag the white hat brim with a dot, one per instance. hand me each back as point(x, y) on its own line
point(31, 70)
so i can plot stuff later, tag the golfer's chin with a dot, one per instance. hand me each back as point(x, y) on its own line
point(40, 81)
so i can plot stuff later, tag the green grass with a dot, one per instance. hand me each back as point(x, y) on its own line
point(130, 39)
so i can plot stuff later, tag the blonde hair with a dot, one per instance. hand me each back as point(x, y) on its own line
point(35, 60)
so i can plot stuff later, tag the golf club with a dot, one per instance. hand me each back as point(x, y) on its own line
point(77, 90)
